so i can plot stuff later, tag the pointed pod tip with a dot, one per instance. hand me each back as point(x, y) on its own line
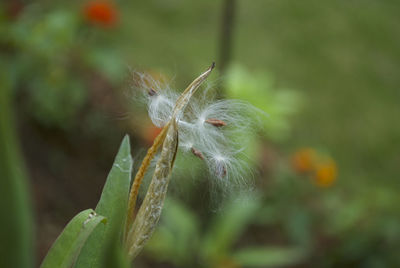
point(212, 65)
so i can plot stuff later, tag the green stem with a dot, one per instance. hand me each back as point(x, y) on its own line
point(16, 249)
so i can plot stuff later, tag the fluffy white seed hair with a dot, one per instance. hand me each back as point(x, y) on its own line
point(208, 128)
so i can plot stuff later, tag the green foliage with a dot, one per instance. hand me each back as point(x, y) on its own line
point(228, 226)
point(16, 225)
point(104, 243)
point(54, 58)
point(268, 257)
point(98, 245)
point(258, 89)
point(180, 228)
point(180, 239)
point(85, 243)
point(66, 248)
point(47, 67)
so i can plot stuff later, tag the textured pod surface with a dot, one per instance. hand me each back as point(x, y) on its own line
point(150, 211)
point(140, 175)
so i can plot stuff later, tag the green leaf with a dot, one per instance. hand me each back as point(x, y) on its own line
point(16, 225)
point(66, 248)
point(113, 205)
point(116, 256)
point(268, 256)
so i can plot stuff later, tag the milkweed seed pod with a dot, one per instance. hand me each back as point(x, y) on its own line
point(204, 127)
point(138, 232)
point(150, 210)
point(208, 128)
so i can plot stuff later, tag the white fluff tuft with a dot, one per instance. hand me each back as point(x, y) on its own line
point(209, 128)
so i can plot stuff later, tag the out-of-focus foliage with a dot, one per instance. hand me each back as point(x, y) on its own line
point(16, 224)
point(44, 44)
point(258, 89)
point(180, 239)
point(54, 55)
point(293, 212)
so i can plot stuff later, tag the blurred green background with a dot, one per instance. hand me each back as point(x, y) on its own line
point(326, 165)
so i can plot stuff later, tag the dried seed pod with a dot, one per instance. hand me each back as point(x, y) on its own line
point(150, 211)
point(138, 232)
point(140, 175)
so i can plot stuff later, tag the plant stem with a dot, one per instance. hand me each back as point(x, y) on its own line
point(225, 45)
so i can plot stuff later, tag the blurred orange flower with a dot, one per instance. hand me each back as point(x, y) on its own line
point(303, 160)
point(103, 13)
point(322, 168)
point(326, 173)
point(150, 133)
